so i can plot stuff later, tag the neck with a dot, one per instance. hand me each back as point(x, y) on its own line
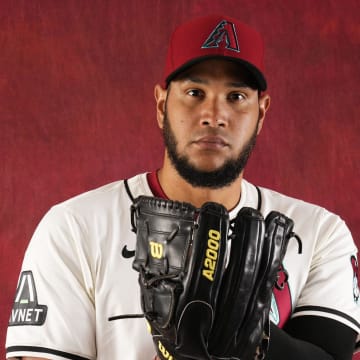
point(176, 188)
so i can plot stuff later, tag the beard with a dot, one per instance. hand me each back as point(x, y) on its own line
point(216, 179)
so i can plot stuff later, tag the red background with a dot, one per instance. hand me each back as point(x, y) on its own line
point(77, 110)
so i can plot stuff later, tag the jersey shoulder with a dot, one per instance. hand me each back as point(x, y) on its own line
point(312, 221)
point(292, 206)
point(112, 196)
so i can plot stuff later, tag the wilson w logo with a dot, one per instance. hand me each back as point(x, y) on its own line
point(156, 250)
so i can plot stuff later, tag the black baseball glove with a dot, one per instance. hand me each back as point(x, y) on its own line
point(206, 297)
point(180, 254)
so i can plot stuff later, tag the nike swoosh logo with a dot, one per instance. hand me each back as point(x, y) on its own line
point(127, 254)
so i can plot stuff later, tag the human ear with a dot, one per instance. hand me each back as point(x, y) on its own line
point(160, 97)
point(264, 104)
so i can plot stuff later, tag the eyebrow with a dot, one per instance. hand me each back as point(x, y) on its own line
point(240, 84)
point(197, 80)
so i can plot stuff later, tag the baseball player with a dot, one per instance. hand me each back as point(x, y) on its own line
point(78, 296)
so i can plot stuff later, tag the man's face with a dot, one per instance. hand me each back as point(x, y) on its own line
point(210, 123)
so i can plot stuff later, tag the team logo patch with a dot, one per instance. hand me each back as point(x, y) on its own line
point(356, 279)
point(224, 35)
point(274, 311)
point(26, 310)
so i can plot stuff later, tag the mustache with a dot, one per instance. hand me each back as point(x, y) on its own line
point(210, 134)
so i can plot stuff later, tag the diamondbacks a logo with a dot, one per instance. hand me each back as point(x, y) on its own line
point(356, 279)
point(26, 310)
point(224, 35)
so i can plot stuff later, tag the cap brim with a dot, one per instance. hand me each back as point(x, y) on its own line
point(256, 74)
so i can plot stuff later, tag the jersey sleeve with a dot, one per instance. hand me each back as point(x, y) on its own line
point(331, 289)
point(53, 313)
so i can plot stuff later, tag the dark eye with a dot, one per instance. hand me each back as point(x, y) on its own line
point(236, 96)
point(195, 92)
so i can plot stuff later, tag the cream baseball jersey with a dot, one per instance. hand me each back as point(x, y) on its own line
point(78, 297)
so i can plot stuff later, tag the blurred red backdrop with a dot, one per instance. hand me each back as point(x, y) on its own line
point(77, 110)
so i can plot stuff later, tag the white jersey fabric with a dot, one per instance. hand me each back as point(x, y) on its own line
point(78, 296)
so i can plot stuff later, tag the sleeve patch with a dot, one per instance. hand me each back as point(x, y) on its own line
point(26, 310)
point(355, 266)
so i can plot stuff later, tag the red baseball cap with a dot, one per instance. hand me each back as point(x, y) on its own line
point(215, 36)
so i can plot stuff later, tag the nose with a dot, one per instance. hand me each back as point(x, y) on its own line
point(213, 113)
